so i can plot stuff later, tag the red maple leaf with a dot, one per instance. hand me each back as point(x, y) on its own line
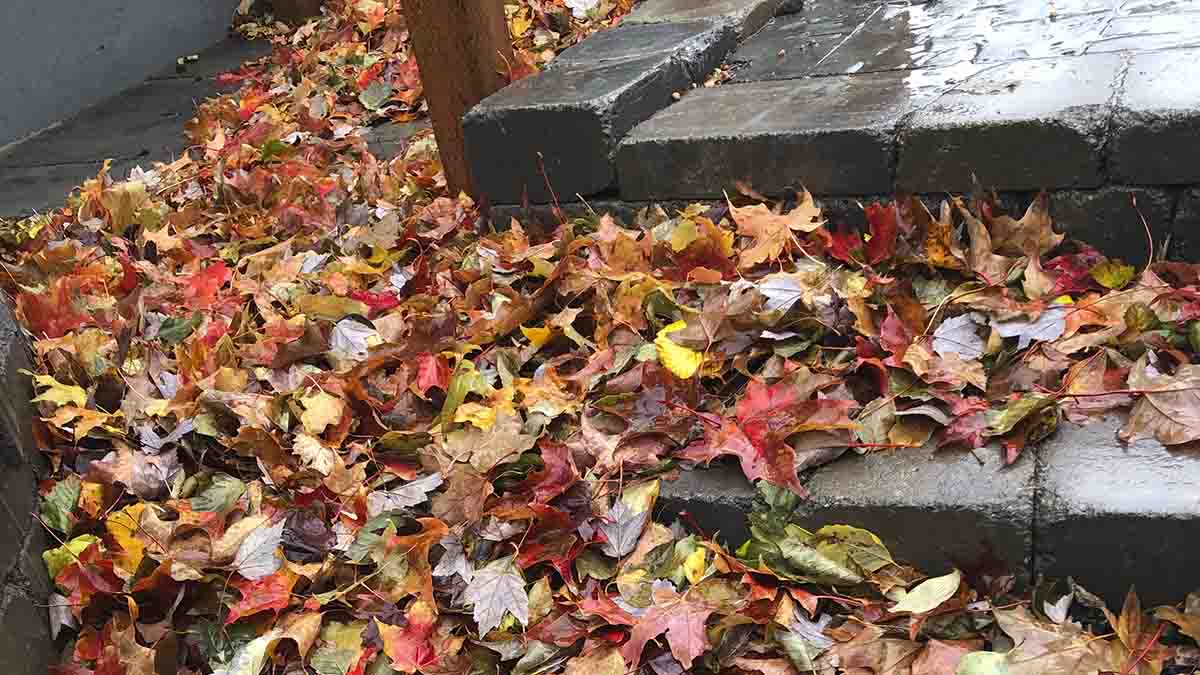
point(432, 372)
point(408, 646)
point(683, 622)
point(884, 224)
point(557, 474)
point(270, 592)
point(200, 289)
point(91, 574)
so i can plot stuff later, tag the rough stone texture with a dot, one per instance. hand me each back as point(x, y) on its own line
point(66, 55)
point(139, 126)
point(932, 508)
point(1022, 126)
point(1151, 30)
point(1156, 128)
point(25, 646)
point(1114, 515)
point(575, 113)
point(833, 135)
point(790, 7)
point(1108, 220)
point(717, 498)
point(1185, 230)
point(745, 16)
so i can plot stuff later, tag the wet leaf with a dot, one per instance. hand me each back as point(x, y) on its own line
point(495, 590)
point(929, 594)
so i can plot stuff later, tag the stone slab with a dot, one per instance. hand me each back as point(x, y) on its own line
point(932, 509)
point(576, 113)
point(1113, 515)
point(226, 56)
point(1028, 125)
point(390, 140)
point(833, 135)
point(1185, 229)
point(25, 645)
point(717, 499)
point(792, 45)
point(745, 16)
point(24, 191)
point(1156, 126)
point(1150, 31)
point(1108, 220)
point(66, 55)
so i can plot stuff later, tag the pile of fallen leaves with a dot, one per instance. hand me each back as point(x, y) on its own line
point(303, 408)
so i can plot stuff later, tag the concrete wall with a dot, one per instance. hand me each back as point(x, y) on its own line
point(59, 56)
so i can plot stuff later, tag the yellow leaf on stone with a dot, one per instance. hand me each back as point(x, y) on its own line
point(680, 360)
point(695, 564)
point(320, 410)
point(123, 526)
point(58, 393)
point(538, 337)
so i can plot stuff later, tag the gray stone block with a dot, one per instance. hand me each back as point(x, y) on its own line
point(745, 16)
point(390, 140)
point(717, 499)
point(73, 54)
point(1156, 127)
point(24, 191)
point(1028, 125)
point(1147, 31)
point(1108, 220)
point(1113, 515)
point(790, 7)
point(25, 645)
point(574, 114)
point(932, 508)
point(833, 135)
point(1185, 230)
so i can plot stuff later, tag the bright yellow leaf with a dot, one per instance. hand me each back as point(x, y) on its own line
point(320, 410)
point(680, 360)
point(477, 414)
point(695, 564)
point(123, 525)
point(538, 337)
point(58, 393)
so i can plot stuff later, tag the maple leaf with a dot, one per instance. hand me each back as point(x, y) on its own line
point(1169, 406)
point(488, 448)
point(773, 232)
point(1033, 235)
point(270, 592)
point(884, 223)
point(622, 529)
point(409, 646)
point(89, 574)
point(557, 474)
point(464, 497)
point(681, 618)
point(495, 590)
point(200, 290)
point(259, 554)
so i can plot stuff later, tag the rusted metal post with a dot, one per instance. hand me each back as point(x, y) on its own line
point(463, 49)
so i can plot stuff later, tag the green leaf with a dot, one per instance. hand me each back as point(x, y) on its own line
point(846, 545)
point(983, 663)
point(1113, 275)
point(1140, 317)
point(220, 495)
point(375, 95)
point(272, 149)
point(1004, 420)
point(814, 566)
point(57, 506)
point(929, 594)
point(1193, 335)
point(175, 330)
point(58, 558)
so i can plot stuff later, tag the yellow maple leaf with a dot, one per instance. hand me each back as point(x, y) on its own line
point(695, 564)
point(123, 525)
point(680, 360)
point(537, 337)
point(58, 393)
point(320, 410)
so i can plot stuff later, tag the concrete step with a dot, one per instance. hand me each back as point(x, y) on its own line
point(1080, 505)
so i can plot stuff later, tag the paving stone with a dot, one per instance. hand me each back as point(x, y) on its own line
point(1156, 127)
point(1185, 230)
point(225, 56)
point(933, 509)
point(576, 113)
point(1068, 35)
point(1149, 31)
point(24, 191)
point(791, 46)
point(746, 16)
point(831, 134)
point(1107, 219)
point(1021, 126)
point(25, 645)
point(717, 498)
point(1113, 515)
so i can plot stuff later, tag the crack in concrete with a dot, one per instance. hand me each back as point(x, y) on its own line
point(1110, 122)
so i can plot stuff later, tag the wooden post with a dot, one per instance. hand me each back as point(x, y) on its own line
point(463, 49)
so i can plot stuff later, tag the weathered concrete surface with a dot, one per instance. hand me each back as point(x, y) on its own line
point(62, 56)
point(833, 135)
point(25, 648)
point(1108, 220)
point(1156, 128)
point(1023, 126)
point(1185, 229)
point(932, 508)
point(139, 126)
point(1114, 515)
point(574, 114)
point(717, 498)
point(745, 16)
